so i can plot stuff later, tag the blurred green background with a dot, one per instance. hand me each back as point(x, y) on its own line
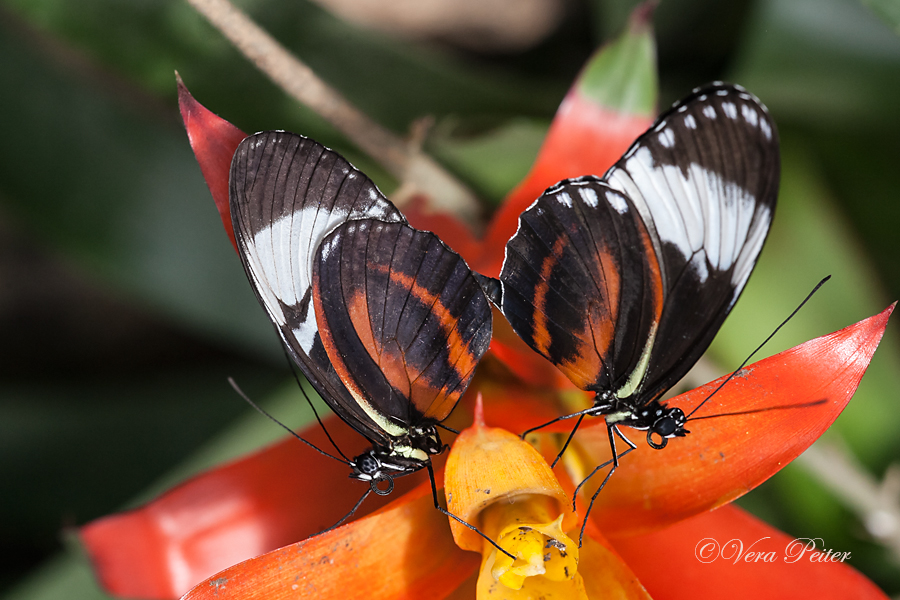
point(123, 307)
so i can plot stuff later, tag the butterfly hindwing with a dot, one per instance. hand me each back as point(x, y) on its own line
point(580, 282)
point(403, 319)
point(286, 193)
point(705, 179)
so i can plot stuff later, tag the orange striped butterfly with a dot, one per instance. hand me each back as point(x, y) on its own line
point(622, 281)
point(385, 321)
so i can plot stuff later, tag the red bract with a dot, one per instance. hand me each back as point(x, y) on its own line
point(612, 102)
point(728, 553)
point(404, 551)
point(401, 552)
point(787, 401)
point(214, 141)
point(263, 501)
point(655, 510)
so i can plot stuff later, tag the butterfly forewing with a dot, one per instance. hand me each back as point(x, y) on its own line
point(581, 284)
point(286, 193)
point(705, 179)
point(404, 320)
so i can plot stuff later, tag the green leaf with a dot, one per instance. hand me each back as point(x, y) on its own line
point(622, 75)
point(887, 10)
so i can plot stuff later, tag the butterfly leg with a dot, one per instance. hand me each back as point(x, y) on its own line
point(568, 440)
point(446, 512)
point(580, 413)
point(612, 431)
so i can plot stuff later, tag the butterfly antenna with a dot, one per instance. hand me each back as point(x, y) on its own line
point(446, 512)
point(282, 425)
point(312, 406)
point(766, 341)
point(579, 413)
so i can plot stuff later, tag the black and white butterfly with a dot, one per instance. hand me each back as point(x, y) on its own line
point(384, 320)
point(623, 281)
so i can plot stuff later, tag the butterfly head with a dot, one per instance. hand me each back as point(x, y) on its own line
point(654, 417)
point(379, 465)
point(663, 421)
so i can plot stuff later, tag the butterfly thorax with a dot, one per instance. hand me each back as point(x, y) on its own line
point(405, 455)
point(654, 417)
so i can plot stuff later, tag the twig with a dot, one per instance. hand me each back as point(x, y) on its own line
point(877, 505)
point(404, 161)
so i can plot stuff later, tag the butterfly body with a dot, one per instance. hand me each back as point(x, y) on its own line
point(405, 456)
point(654, 417)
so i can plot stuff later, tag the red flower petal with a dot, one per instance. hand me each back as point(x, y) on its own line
point(274, 497)
point(667, 562)
point(609, 105)
point(514, 406)
point(525, 363)
point(783, 404)
point(584, 139)
point(451, 230)
point(214, 141)
point(404, 551)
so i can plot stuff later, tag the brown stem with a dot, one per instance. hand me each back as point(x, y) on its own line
point(877, 504)
point(404, 161)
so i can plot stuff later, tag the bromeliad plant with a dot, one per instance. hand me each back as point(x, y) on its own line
point(648, 522)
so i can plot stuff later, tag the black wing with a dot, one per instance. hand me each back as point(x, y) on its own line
point(581, 284)
point(403, 320)
point(646, 276)
point(287, 193)
point(705, 179)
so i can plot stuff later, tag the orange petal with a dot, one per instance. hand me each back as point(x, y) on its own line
point(214, 141)
point(452, 231)
point(606, 574)
point(487, 465)
point(274, 497)
point(404, 551)
point(796, 395)
point(517, 407)
point(525, 363)
point(593, 127)
point(709, 556)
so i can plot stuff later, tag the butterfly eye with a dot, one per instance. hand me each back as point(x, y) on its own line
point(367, 464)
point(665, 427)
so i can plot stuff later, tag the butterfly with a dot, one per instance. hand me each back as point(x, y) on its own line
point(385, 321)
point(622, 281)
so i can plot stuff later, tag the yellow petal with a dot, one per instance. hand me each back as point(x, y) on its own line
point(546, 563)
point(489, 465)
point(502, 485)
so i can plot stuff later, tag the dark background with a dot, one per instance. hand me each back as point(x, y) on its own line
point(123, 307)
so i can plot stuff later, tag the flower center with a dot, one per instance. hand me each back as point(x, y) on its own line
point(529, 528)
